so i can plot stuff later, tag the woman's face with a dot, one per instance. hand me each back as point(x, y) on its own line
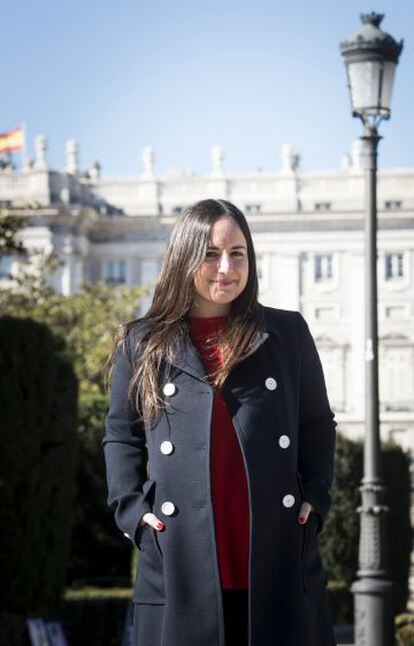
point(223, 274)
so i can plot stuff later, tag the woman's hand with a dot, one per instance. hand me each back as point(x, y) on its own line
point(305, 510)
point(152, 520)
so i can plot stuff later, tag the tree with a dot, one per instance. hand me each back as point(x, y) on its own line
point(30, 283)
point(10, 225)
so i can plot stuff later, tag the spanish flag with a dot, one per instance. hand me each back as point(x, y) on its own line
point(12, 141)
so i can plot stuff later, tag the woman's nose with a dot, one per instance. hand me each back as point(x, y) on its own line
point(224, 264)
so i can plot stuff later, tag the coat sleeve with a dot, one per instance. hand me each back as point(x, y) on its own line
point(125, 451)
point(316, 428)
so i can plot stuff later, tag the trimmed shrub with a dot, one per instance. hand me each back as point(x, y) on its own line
point(95, 616)
point(397, 477)
point(38, 416)
point(340, 538)
point(100, 554)
point(340, 602)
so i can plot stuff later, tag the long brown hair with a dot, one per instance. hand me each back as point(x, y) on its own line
point(173, 296)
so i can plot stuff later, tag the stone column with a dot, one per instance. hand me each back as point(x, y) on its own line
point(40, 145)
point(289, 183)
point(72, 153)
point(148, 157)
point(217, 158)
point(95, 171)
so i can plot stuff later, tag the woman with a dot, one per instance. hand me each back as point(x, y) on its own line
point(225, 401)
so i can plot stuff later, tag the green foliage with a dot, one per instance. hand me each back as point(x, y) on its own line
point(99, 551)
point(95, 616)
point(10, 225)
point(340, 538)
point(89, 616)
point(340, 602)
point(86, 321)
point(12, 629)
point(36, 266)
point(38, 416)
point(404, 624)
point(396, 466)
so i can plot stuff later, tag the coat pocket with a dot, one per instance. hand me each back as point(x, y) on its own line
point(313, 573)
point(149, 581)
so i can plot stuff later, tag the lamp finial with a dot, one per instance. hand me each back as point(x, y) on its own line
point(372, 18)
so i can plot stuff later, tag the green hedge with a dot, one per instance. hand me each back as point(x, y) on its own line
point(100, 554)
point(95, 616)
point(404, 634)
point(341, 602)
point(89, 616)
point(38, 418)
point(340, 538)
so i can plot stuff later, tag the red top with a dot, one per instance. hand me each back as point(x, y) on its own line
point(228, 476)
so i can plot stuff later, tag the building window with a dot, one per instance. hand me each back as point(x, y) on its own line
point(322, 206)
point(396, 380)
point(115, 271)
point(393, 205)
point(393, 266)
point(323, 267)
point(252, 209)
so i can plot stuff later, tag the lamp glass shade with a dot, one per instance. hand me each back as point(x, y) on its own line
point(370, 83)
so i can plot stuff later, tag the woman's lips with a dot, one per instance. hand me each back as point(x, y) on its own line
point(223, 283)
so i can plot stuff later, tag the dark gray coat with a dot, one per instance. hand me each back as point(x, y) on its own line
point(286, 429)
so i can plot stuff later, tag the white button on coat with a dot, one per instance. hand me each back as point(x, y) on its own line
point(271, 383)
point(127, 535)
point(169, 389)
point(288, 500)
point(166, 447)
point(167, 508)
point(284, 441)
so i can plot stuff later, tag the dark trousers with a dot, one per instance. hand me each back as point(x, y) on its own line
point(235, 616)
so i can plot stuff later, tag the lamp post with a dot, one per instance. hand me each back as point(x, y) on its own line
point(371, 57)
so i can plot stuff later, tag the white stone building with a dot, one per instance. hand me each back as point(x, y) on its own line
point(308, 231)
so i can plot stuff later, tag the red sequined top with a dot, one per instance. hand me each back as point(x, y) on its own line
point(228, 475)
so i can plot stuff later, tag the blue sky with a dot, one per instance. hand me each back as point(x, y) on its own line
point(183, 75)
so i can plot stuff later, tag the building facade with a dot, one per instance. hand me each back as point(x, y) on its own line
point(308, 230)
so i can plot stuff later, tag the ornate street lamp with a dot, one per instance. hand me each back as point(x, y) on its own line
point(371, 57)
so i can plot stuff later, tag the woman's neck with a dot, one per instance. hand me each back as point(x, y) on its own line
point(209, 310)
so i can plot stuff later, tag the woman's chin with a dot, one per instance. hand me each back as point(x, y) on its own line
point(222, 298)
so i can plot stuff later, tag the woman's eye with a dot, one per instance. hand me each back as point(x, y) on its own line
point(213, 254)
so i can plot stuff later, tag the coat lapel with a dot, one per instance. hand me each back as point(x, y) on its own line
point(191, 362)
